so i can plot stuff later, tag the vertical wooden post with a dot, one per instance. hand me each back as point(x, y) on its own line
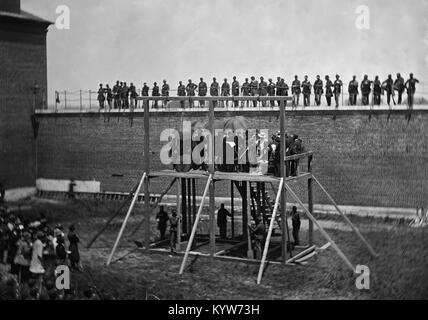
point(189, 205)
point(184, 205)
point(245, 205)
point(232, 208)
point(212, 186)
point(193, 207)
point(179, 194)
point(310, 203)
point(284, 226)
point(147, 209)
point(250, 252)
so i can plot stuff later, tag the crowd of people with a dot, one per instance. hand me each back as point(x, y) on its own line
point(30, 251)
point(122, 96)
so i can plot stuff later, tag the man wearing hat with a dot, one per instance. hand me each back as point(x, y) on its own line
point(263, 90)
point(306, 90)
point(235, 90)
point(162, 217)
point(202, 92)
point(318, 90)
point(410, 85)
point(165, 92)
point(254, 85)
point(155, 93)
point(225, 92)
point(245, 90)
point(337, 89)
point(296, 91)
point(353, 91)
point(328, 90)
point(271, 92)
point(190, 89)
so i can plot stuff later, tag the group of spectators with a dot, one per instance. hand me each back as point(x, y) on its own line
point(122, 96)
point(30, 251)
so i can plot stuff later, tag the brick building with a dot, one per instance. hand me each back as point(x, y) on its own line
point(23, 68)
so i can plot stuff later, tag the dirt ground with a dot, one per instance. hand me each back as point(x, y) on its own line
point(400, 271)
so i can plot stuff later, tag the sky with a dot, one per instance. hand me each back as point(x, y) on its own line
point(151, 40)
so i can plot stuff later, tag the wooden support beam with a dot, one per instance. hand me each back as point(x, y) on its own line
point(301, 254)
point(323, 232)
point(238, 245)
point(195, 224)
point(232, 209)
point(310, 203)
point(284, 234)
point(122, 228)
point(147, 209)
point(250, 252)
point(353, 227)
point(272, 221)
point(211, 170)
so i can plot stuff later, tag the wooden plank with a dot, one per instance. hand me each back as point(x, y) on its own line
point(301, 254)
point(323, 232)
point(298, 156)
point(122, 228)
point(272, 221)
point(244, 177)
point(353, 227)
point(147, 208)
point(195, 225)
point(197, 174)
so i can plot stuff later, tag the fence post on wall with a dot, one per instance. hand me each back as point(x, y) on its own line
point(65, 99)
point(80, 100)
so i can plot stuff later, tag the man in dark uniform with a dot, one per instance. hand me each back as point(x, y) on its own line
point(254, 85)
point(271, 92)
point(328, 90)
point(279, 89)
point(235, 90)
point(387, 86)
point(125, 96)
point(338, 84)
point(109, 96)
point(190, 89)
point(285, 89)
point(134, 95)
point(155, 93)
point(101, 97)
point(258, 233)
point(246, 91)
point(165, 92)
point(202, 92)
point(318, 90)
point(222, 215)
point(181, 92)
point(263, 90)
point(399, 87)
point(162, 218)
point(377, 91)
point(410, 85)
point(116, 95)
point(306, 90)
point(295, 221)
point(145, 90)
point(296, 91)
point(353, 91)
point(225, 92)
point(173, 230)
point(366, 90)
point(214, 90)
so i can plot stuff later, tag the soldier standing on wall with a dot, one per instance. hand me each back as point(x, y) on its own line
point(318, 90)
point(155, 93)
point(109, 96)
point(254, 85)
point(116, 94)
point(353, 91)
point(134, 95)
point(285, 89)
point(328, 90)
point(214, 90)
point(366, 90)
point(245, 90)
point(235, 90)
point(145, 90)
point(279, 89)
point(338, 84)
point(263, 90)
point(271, 92)
point(387, 86)
point(399, 87)
point(190, 89)
point(125, 96)
point(306, 90)
point(225, 92)
point(377, 90)
point(410, 85)
point(296, 91)
point(101, 98)
point(165, 92)
point(181, 92)
point(202, 92)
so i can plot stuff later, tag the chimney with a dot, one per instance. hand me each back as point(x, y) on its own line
point(13, 6)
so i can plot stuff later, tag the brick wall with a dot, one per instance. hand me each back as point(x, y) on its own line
point(22, 63)
point(371, 161)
